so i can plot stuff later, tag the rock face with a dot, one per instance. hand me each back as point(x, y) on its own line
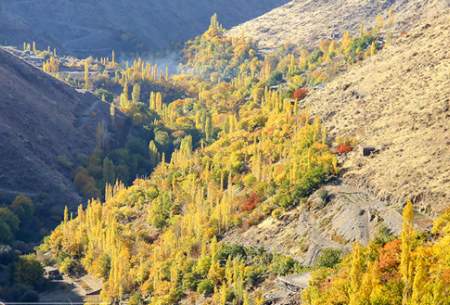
point(305, 22)
point(42, 122)
point(347, 215)
point(88, 27)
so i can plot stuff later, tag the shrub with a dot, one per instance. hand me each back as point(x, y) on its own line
point(250, 203)
point(254, 275)
point(285, 201)
point(205, 287)
point(6, 236)
point(299, 94)
point(329, 258)
point(10, 218)
point(343, 148)
point(28, 271)
point(389, 258)
point(384, 235)
point(23, 207)
point(277, 213)
point(283, 265)
point(249, 180)
point(227, 251)
point(275, 79)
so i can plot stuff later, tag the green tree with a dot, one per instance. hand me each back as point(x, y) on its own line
point(10, 218)
point(6, 235)
point(28, 271)
point(109, 175)
point(23, 207)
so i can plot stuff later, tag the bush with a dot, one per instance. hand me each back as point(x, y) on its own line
point(275, 79)
point(227, 251)
point(250, 203)
point(329, 258)
point(343, 148)
point(299, 94)
point(384, 235)
point(28, 271)
point(277, 213)
point(285, 201)
point(205, 287)
point(23, 207)
point(6, 236)
point(254, 275)
point(283, 265)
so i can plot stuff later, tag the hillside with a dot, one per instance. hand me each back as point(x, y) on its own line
point(397, 102)
point(45, 125)
point(95, 27)
point(305, 22)
point(263, 170)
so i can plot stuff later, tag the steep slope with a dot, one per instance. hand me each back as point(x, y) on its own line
point(305, 22)
point(43, 124)
point(399, 103)
point(95, 27)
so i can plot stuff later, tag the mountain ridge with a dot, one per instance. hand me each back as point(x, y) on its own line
point(85, 28)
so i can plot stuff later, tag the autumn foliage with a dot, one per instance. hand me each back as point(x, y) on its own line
point(343, 148)
point(299, 94)
point(250, 203)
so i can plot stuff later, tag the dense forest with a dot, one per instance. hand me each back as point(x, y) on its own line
point(220, 146)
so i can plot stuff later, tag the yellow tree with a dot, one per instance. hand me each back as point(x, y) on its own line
point(406, 247)
point(419, 278)
point(87, 82)
point(136, 93)
point(355, 275)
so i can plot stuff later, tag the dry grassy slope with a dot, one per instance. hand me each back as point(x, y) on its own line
point(41, 119)
point(305, 22)
point(399, 101)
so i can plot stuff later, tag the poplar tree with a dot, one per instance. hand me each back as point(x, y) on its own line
point(108, 171)
point(419, 279)
point(87, 83)
point(208, 129)
point(406, 247)
point(153, 152)
point(136, 93)
point(355, 274)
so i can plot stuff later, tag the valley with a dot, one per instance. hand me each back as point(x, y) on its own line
point(301, 157)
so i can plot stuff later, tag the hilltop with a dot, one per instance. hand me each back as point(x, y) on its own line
point(86, 28)
point(305, 22)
